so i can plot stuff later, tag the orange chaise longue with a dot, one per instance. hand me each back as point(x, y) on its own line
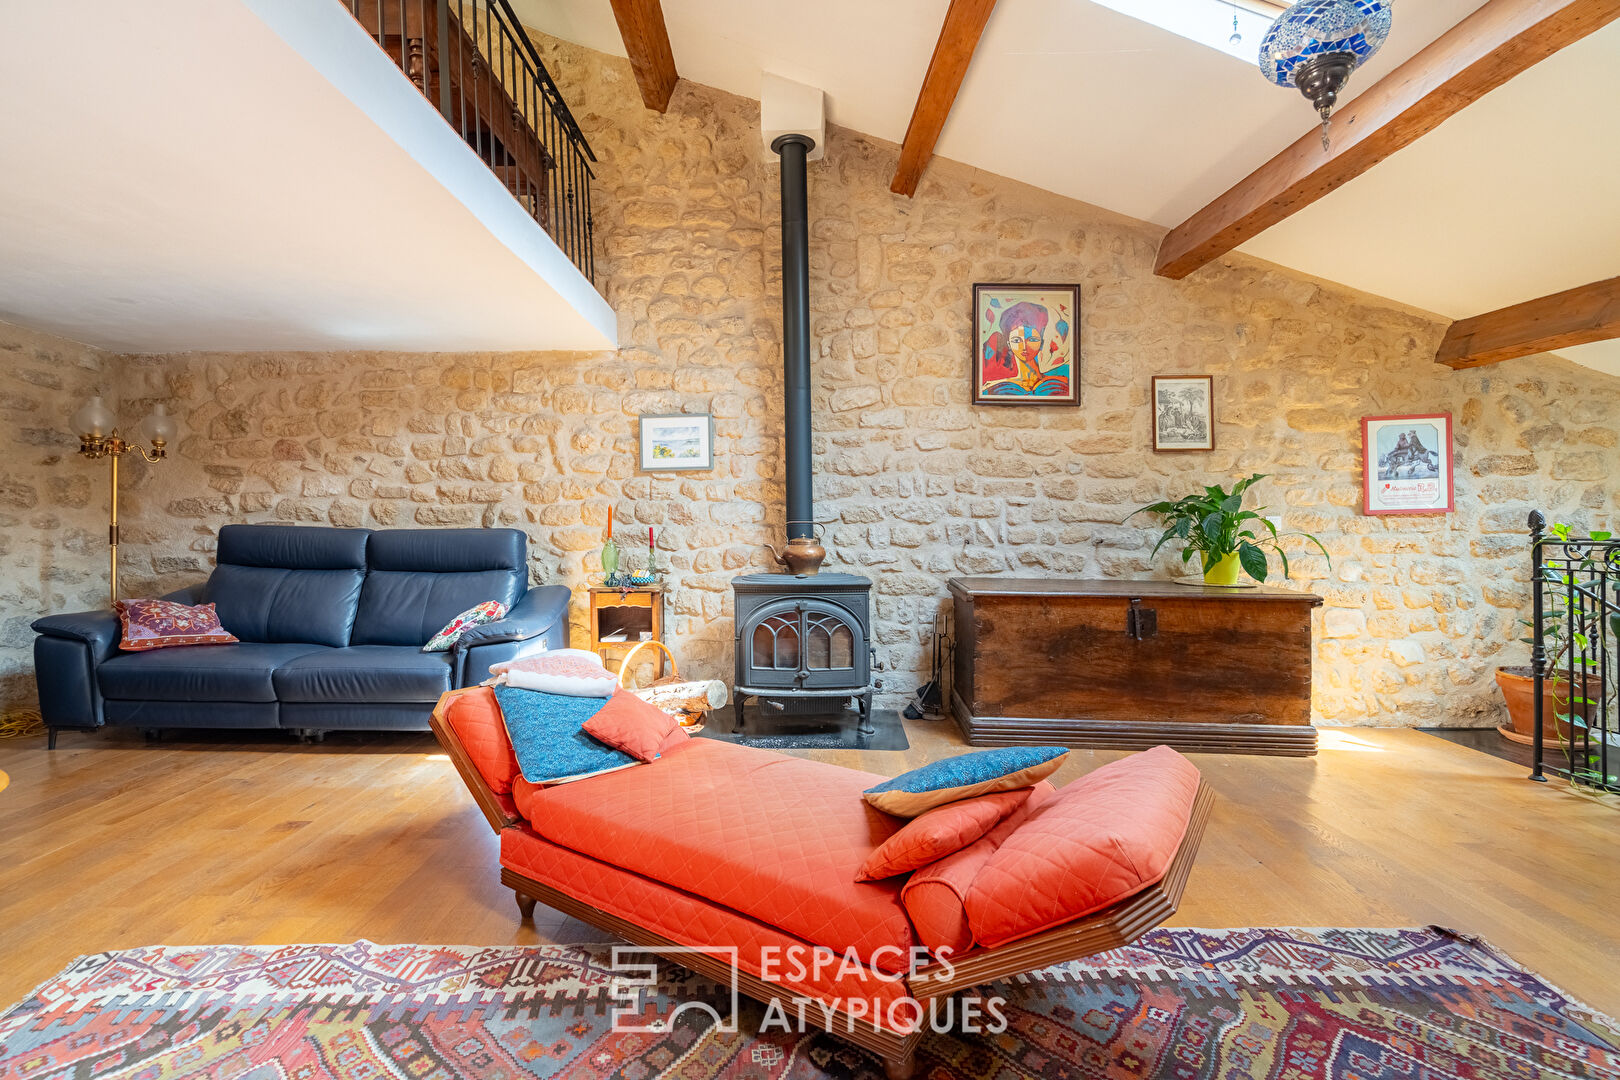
point(755, 854)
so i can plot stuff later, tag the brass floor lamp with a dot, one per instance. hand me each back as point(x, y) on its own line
point(99, 438)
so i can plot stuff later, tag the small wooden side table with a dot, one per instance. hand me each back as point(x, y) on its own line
point(620, 616)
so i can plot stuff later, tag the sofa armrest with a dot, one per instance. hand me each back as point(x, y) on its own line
point(537, 622)
point(99, 630)
point(66, 653)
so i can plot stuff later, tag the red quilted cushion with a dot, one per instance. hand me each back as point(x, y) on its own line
point(773, 837)
point(531, 809)
point(934, 894)
point(630, 724)
point(936, 833)
point(1104, 837)
point(476, 719)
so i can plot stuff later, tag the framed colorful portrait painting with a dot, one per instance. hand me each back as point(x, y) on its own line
point(1406, 462)
point(1026, 345)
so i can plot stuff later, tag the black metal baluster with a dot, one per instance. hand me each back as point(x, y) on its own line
point(442, 11)
point(1538, 647)
point(1600, 711)
point(1568, 653)
point(590, 235)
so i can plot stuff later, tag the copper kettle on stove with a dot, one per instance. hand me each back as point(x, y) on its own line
point(802, 556)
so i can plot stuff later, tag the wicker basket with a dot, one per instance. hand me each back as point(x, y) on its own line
point(692, 726)
point(624, 665)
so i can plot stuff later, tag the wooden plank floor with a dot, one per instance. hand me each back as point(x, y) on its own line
point(110, 842)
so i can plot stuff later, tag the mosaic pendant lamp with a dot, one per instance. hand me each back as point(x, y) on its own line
point(1316, 44)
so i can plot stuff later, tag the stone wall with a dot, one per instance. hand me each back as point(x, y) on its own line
point(53, 504)
point(915, 483)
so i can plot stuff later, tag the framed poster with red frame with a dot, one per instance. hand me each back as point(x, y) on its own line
point(1406, 464)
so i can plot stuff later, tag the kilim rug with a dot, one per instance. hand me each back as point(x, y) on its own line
point(1229, 1004)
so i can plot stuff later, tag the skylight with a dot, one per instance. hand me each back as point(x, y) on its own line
point(1208, 22)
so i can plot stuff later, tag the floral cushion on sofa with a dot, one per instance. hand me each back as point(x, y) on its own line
point(487, 612)
point(162, 624)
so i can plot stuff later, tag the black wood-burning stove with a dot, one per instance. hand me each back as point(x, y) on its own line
point(803, 639)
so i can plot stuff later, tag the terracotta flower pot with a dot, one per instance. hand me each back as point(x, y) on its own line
point(1519, 690)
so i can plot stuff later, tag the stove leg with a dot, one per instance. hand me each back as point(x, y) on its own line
point(865, 726)
point(739, 709)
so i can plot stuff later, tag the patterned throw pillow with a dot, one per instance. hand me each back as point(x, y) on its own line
point(965, 776)
point(162, 624)
point(487, 612)
point(563, 672)
point(548, 737)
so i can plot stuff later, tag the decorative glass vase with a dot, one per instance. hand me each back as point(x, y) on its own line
point(610, 557)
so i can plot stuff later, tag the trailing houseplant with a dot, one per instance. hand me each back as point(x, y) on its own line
point(1228, 539)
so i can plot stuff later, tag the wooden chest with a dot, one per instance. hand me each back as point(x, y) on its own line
point(1131, 664)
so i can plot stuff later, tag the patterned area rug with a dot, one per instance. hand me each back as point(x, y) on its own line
point(1228, 1004)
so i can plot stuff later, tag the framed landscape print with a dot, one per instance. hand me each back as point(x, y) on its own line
point(1406, 462)
point(677, 443)
point(1026, 348)
point(1183, 413)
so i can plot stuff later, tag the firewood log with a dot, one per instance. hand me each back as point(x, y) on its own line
point(694, 698)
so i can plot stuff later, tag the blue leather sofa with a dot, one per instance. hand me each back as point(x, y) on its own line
point(331, 622)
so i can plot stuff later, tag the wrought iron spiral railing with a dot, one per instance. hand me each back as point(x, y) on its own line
point(1575, 634)
point(474, 61)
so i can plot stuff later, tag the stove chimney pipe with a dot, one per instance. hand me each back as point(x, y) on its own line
point(803, 554)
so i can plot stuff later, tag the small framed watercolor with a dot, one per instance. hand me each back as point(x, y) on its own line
point(677, 443)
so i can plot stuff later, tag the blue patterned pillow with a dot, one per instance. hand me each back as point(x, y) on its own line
point(965, 776)
point(547, 740)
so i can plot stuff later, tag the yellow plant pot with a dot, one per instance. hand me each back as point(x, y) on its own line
point(1223, 571)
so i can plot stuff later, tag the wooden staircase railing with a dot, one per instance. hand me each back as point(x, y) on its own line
point(472, 59)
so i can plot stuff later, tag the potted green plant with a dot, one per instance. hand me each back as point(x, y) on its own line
point(1228, 539)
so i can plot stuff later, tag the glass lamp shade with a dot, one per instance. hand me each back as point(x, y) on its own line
point(1313, 28)
point(160, 425)
point(93, 418)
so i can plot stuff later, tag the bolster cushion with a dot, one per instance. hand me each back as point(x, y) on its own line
point(935, 896)
point(1102, 838)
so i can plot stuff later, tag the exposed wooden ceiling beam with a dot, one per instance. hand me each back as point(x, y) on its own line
point(1485, 50)
point(964, 22)
point(641, 24)
point(1572, 317)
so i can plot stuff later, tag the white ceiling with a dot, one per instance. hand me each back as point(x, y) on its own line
point(289, 190)
point(1067, 95)
point(1517, 197)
